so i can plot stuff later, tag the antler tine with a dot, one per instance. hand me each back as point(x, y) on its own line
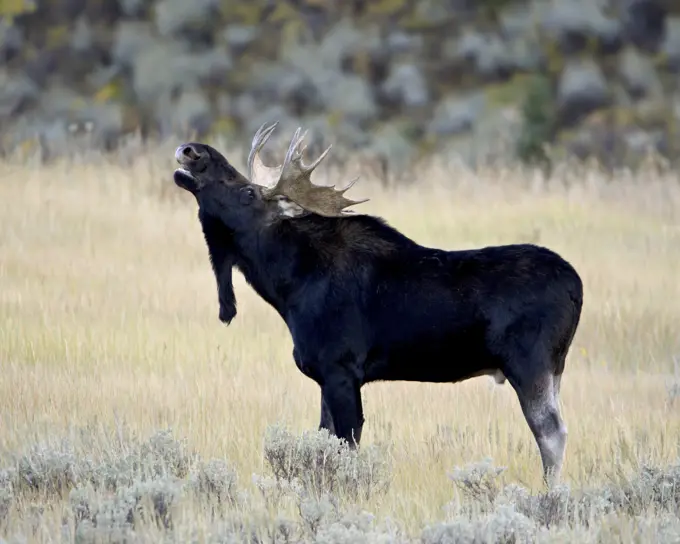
point(310, 168)
point(260, 138)
point(293, 165)
point(259, 173)
point(291, 170)
point(294, 154)
point(349, 185)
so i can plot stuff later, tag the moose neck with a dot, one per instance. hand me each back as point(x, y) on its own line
point(271, 258)
point(280, 259)
point(269, 261)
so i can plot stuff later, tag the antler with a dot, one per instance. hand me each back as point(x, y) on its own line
point(293, 178)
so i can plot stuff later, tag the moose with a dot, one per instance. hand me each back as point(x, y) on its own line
point(365, 303)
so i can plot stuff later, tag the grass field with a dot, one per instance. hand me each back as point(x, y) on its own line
point(109, 333)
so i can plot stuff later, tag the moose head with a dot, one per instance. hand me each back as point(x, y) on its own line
point(271, 192)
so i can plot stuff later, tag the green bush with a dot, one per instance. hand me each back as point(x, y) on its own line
point(12, 8)
point(538, 121)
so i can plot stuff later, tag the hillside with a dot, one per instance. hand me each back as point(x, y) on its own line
point(396, 79)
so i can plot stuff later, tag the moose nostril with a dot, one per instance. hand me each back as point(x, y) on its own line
point(188, 151)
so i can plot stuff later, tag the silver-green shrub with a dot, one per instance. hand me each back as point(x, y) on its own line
point(324, 464)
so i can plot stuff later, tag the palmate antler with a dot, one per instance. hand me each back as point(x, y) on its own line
point(292, 179)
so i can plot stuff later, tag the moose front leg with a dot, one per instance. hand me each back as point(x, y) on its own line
point(341, 394)
point(341, 409)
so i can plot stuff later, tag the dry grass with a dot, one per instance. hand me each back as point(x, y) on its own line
point(108, 313)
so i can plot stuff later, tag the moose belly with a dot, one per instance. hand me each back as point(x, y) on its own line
point(431, 356)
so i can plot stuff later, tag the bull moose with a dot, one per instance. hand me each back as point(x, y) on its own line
point(365, 303)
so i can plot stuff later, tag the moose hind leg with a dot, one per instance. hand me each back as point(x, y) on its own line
point(538, 399)
point(326, 421)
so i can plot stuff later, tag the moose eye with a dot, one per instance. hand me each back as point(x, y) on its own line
point(247, 195)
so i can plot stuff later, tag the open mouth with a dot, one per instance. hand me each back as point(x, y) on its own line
point(190, 163)
point(184, 173)
point(184, 179)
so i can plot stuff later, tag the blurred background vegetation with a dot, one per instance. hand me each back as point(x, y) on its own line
point(395, 80)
